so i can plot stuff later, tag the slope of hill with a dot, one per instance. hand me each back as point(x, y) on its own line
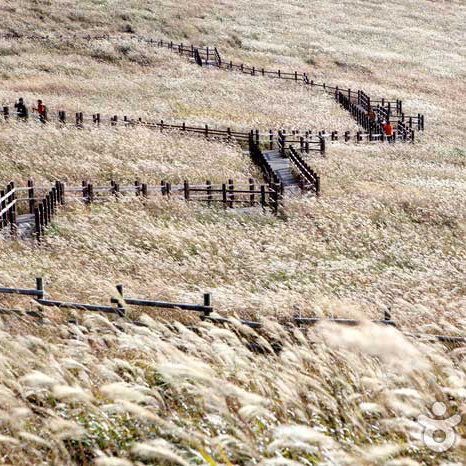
point(387, 234)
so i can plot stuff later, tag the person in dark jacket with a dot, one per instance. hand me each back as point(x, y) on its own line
point(21, 109)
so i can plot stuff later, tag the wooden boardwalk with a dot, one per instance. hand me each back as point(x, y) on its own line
point(283, 169)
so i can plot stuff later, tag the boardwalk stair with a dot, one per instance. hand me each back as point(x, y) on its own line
point(283, 170)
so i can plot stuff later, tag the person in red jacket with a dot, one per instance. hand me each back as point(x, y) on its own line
point(41, 110)
point(388, 129)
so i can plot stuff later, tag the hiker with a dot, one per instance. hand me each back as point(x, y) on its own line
point(41, 110)
point(21, 109)
point(388, 130)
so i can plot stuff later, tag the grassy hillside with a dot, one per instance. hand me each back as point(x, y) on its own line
point(387, 234)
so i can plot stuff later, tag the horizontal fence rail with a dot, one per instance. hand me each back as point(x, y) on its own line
point(203, 311)
point(205, 308)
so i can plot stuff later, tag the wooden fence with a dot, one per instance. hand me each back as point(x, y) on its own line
point(40, 210)
point(391, 110)
point(229, 194)
point(310, 179)
point(373, 125)
point(38, 205)
point(284, 141)
point(8, 206)
point(205, 311)
point(315, 140)
point(385, 109)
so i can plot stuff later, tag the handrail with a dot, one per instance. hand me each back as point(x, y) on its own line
point(8, 207)
point(304, 170)
point(8, 194)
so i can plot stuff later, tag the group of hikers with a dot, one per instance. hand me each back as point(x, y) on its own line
point(22, 111)
point(386, 125)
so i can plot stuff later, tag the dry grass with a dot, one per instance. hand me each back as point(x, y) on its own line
point(387, 233)
point(123, 154)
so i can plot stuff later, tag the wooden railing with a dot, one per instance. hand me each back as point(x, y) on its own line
point(39, 209)
point(258, 158)
point(205, 55)
point(8, 206)
point(306, 145)
point(310, 179)
point(312, 141)
point(205, 311)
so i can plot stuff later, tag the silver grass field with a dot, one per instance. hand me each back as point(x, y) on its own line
point(387, 234)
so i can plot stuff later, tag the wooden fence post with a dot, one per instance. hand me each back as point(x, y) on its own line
point(90, 192)
point(37, 223)
point(48, 208)
point(62, 192)
point(186, 190)
point(84, 192)
point(207, 302)
point(282, 144)
point(144, 190)
point(251, 189)
point(322, 145)
point(2, 206)
point(53, 202)
point(14, 209)
point(231, 189)
point(6, 112)
point(41, 219)
point(224, 195)
point(45, 214)
point(209, 192)
point(263, 200)
point(32, 202)
point(274, 195)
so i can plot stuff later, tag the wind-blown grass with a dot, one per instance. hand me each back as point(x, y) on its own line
point(387, 234)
